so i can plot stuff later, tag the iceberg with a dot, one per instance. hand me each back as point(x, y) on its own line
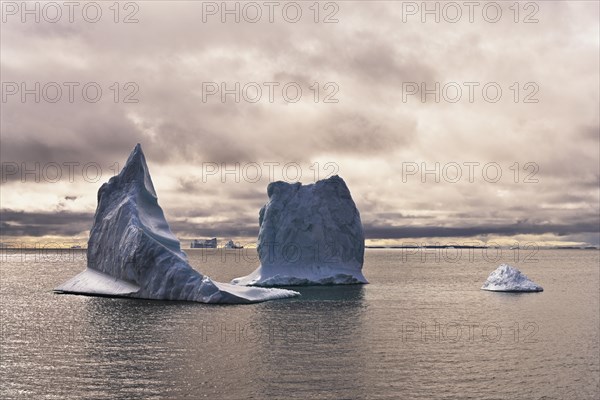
point(309, 235)
point(507, 278)
point(133, 253)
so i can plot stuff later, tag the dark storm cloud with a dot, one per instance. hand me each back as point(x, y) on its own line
point(60, 223)
point(590, 132)
point(197, 143)
point(239, 228)
point(345, 132)
point(386, 64)
point(402, 232)
point(66, 223)
point(90, 137)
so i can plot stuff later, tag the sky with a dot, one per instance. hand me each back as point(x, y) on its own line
point(482, 127)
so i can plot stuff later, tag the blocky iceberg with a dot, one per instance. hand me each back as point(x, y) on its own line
point(507, 278)
point(309, 235)
point(133, 253)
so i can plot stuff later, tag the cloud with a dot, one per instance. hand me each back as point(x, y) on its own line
point(368, 133)
point(402, 232)
point(38, 224)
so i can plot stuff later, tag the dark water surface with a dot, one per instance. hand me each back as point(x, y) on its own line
point(421, 329)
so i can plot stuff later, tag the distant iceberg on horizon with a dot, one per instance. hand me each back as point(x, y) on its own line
point(507, 278)
point(133, 253)
point(309, 235)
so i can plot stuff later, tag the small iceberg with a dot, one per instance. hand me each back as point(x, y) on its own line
point(133, 253)
point(309, 235)
point(507, 278)
point(230, 245)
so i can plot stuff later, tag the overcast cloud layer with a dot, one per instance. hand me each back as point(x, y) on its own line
point(375, 136)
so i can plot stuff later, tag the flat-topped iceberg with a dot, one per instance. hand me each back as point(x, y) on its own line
point(507, 278)
point(309, 235)
point(133, 253)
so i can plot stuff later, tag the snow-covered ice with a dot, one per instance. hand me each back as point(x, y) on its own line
point(309, 235)
point(507, 278)
point(133, 253)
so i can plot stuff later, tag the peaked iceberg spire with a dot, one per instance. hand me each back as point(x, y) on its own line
point(133, 253)
point(136, 169)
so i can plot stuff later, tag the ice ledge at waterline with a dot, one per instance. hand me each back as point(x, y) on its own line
point(133, 253)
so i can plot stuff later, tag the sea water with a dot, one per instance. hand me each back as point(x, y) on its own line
point(421, 329)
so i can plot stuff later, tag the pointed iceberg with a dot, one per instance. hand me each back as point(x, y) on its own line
point(507, 278)
point(133, 253)
point(309, 235)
